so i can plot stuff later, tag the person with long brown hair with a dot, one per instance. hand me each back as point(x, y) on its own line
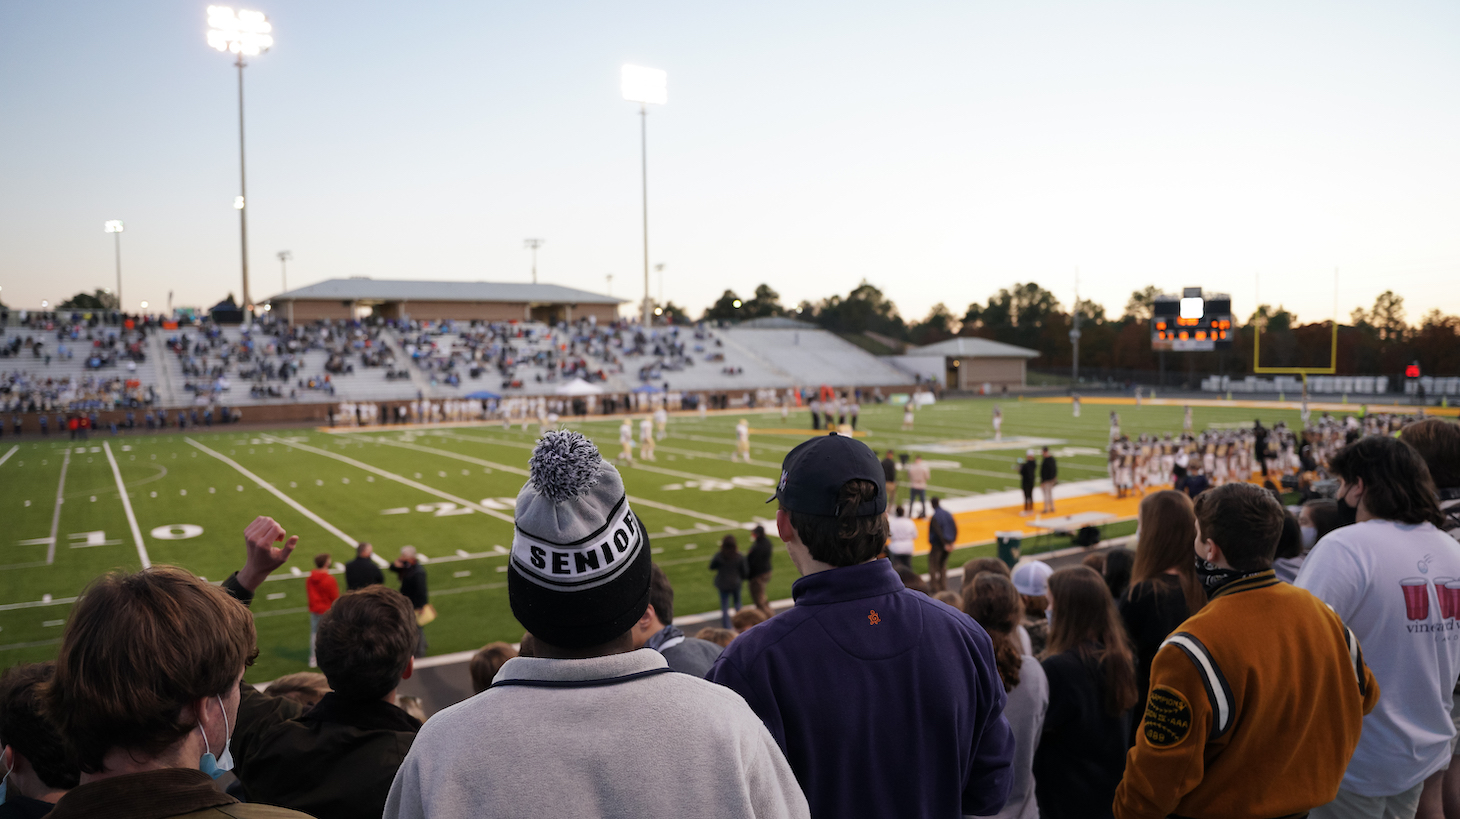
point(1164, 590)
point(993, 602)
point(1092, 687)
point(731, 571)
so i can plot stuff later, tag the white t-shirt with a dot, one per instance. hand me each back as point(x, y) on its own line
point(904, 535)
point(1380, 577)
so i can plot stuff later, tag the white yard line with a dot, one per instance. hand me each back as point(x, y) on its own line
point(59, 601)
point(296, 505)
point(56, 517)
point(8, 454)
point(127, 507)
point(517, 470)
point(401, 479)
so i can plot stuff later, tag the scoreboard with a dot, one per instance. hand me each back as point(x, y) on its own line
point(1192, 322)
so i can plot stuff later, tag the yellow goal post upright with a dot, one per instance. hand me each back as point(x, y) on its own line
point(1331, 369)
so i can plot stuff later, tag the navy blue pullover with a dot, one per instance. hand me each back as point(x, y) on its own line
point(886, 702)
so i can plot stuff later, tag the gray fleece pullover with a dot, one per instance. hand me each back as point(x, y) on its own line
point(659, 745)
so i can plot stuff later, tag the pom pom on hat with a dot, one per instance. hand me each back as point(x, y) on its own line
point(563, 465)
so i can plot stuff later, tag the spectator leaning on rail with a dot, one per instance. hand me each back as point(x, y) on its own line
point(1383, 575)
point(146, 694)
point(1244, 719)
point(334, 760)
point(38, 768)
point(589, 726)
point(841, 677)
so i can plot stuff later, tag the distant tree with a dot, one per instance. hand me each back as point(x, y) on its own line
point(766, 302)
point(1273, 321)
point(1015, 315)
point(674, 314)
point(865, 308)
point(728, 307)
point(1387, 317)
point(1139, 306)
point(100, 300)
point(939, 325)
point(1090, 311)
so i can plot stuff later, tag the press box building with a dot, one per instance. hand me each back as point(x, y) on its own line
point(361, 297)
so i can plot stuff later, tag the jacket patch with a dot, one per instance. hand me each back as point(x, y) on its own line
point(1168, 717)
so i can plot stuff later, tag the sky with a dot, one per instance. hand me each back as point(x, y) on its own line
point(1301, 153)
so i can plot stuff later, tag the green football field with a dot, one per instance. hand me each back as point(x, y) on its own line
point(449, 493)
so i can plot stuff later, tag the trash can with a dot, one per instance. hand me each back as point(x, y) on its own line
point(1009, 543)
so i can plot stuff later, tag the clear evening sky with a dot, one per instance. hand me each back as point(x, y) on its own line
point(939, 150)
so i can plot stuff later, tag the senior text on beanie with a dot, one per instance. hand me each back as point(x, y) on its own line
point(579, 571)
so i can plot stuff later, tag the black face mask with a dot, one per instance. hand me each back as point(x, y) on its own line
point(1347, 515)
point(1214, 577)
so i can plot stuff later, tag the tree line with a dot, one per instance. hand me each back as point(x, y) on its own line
point(1379, 340)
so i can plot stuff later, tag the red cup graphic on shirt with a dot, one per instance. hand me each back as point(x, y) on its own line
point(1416, 598)
point(1444, 598)
point(1450, 592)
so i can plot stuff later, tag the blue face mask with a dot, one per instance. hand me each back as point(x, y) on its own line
point(208, 765)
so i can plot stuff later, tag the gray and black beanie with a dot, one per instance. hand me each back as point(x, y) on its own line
point(579, 571)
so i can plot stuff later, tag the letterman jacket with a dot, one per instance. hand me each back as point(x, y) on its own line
point(1255, 706)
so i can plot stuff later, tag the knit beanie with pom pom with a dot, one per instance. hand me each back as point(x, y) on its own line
point(579, 572)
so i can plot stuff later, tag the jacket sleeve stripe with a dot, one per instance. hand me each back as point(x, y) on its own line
point(1356, 656)
point(1217, 691)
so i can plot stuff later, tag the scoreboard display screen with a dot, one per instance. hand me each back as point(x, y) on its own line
point(1191, 322)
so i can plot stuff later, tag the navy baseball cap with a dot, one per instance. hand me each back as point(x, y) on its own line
point(813, 474)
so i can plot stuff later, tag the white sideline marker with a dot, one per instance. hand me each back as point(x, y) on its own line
point(127, 507)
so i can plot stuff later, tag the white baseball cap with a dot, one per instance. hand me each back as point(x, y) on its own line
point(1031, 577)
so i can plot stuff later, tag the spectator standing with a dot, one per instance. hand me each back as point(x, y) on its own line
point(998, 422)
point(759, 563)
point(1049, 473)
point(38, 768)
point(589, 726)
point(656, 630)
point(413, 585)
point(322, 591)
point(1031, 578)
point(486, 663)
point(146, 694)
point(1027, 470)
point(993, 602)
point(918, 475)
point(902, 539)
point(731, 570)
point(1289, 555)
point(942, 536)
point(362, 571)
point(1244, 719)
point(889, 477)
point(1365, 571)
point(1092, 686)
point(857, 632)
point(1164, 588)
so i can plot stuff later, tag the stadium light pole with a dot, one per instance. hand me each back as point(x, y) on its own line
point(114, 227)
point(645, 86)
point(246, 33)
point(533, 245)
point(284, 257)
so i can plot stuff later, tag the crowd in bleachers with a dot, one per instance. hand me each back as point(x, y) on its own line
point(23, 391)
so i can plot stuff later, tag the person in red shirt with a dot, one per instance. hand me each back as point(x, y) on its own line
point(323, 591)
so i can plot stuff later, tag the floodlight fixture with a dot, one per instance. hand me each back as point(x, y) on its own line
point(645, 85)
point(243, 32)
point(238, 203)
point(144, 305)
point(1192, 307)
point(114, 226)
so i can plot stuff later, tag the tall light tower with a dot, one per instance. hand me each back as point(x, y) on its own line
point(645, 86)
point(284, 257)
point(114, 227)
point(533, 245)
point(246, 34)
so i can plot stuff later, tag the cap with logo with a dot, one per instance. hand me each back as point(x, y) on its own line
point(813, 474)
point(578, 575)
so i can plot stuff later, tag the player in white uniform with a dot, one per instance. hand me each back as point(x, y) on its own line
point(998, 424)
point(626, 440)
point(1186, 421)
point(742, 441)
point(1114, 425)
point(646, 439)
point(907, 415)
point(1075, 405)
point(661, 422)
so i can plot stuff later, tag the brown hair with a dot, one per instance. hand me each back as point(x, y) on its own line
point(486, 663)
point(721, 637)
point(1438, 442)
point(1166, 541)
point(1323, 512)
point(26, 729)
point(1095, 560)
point(139, 649)
point(728, 548)
point(848, 539)
point(1086, 622)
point(745, 618)
point(1246, 521)
point(1397, 483)
point(303, 687)
point(661, 594)
point(365, 642)
point(952, 598)
point(321, 560)
point(979, 565)
point(993, 602)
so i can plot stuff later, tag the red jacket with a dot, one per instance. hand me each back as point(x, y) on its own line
point(323, 591)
